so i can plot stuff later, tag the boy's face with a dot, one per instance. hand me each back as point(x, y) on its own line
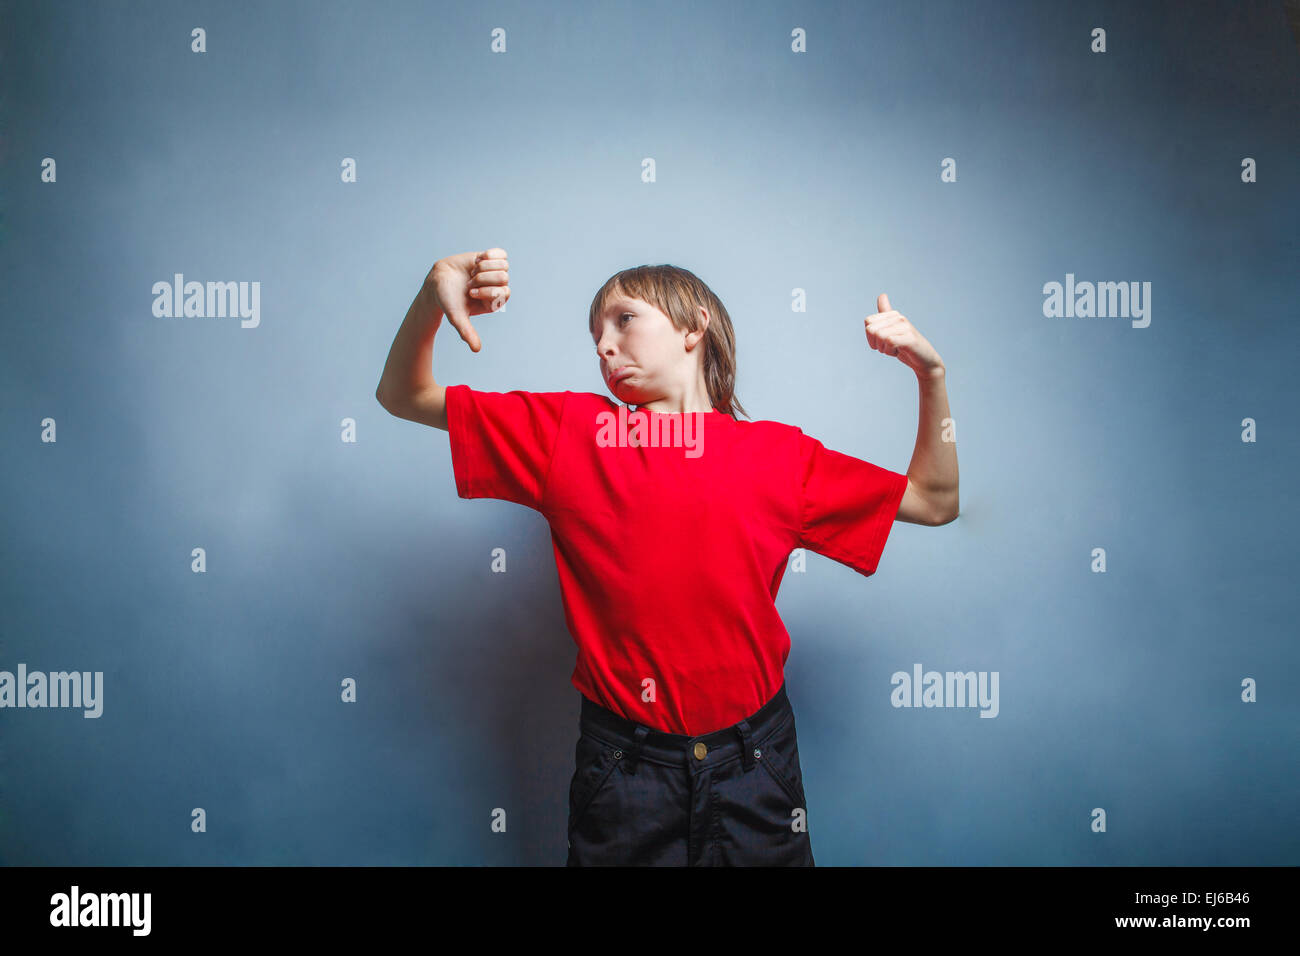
point(642, 355)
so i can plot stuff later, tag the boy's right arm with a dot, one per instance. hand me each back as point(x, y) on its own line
point(472, 283)
point(407, 388)
point(428, 407)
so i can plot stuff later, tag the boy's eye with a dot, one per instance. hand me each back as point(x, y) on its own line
point(625, 315)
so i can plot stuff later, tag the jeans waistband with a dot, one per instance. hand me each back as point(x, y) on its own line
point(638, 741)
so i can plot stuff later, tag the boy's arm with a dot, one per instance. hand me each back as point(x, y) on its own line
point(931, 497)
point(471, 283)
point(407, 388)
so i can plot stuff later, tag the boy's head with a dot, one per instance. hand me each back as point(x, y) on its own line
point(668, 329)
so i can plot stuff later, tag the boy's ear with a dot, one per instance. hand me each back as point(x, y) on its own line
point(704, 325)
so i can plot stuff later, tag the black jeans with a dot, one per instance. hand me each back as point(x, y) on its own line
point(734, 797)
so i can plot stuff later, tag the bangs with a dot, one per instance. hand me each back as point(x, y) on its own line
point(622, 285)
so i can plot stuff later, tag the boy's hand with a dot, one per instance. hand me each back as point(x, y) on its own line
point(889, 332)
point(470, 283)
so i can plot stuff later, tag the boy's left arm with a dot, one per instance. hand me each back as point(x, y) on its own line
point(931, 495)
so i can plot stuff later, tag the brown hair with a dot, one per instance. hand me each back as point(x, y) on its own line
point(678, 294)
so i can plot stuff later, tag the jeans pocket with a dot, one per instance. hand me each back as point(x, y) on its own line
point(596, 761)
point(779, 755)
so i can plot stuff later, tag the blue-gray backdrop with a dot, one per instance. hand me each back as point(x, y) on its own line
point(1169, 158)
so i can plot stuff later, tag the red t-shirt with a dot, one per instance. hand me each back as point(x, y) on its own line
point(671, 545)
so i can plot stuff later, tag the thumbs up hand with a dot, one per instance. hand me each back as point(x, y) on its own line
point(888, 331)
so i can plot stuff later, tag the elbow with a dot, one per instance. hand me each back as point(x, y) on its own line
point(947, 513)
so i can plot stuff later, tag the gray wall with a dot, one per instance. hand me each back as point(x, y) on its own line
point(776, 171)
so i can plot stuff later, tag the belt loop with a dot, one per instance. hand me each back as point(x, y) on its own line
point(746, 749)
point(634, 751)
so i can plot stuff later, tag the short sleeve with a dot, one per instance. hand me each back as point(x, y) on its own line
point(502, 443)
point(847, 505)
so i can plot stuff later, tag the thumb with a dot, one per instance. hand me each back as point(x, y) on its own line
point(882, 303)
point(461, 323)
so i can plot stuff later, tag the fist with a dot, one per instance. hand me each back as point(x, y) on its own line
point(888, 331)
point(470, 283)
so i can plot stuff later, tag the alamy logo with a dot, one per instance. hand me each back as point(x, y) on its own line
point(1101, 300)
point(57, 689)
point(642, 430)
point(951, 689)
point(216, 300)
point(102, 909)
